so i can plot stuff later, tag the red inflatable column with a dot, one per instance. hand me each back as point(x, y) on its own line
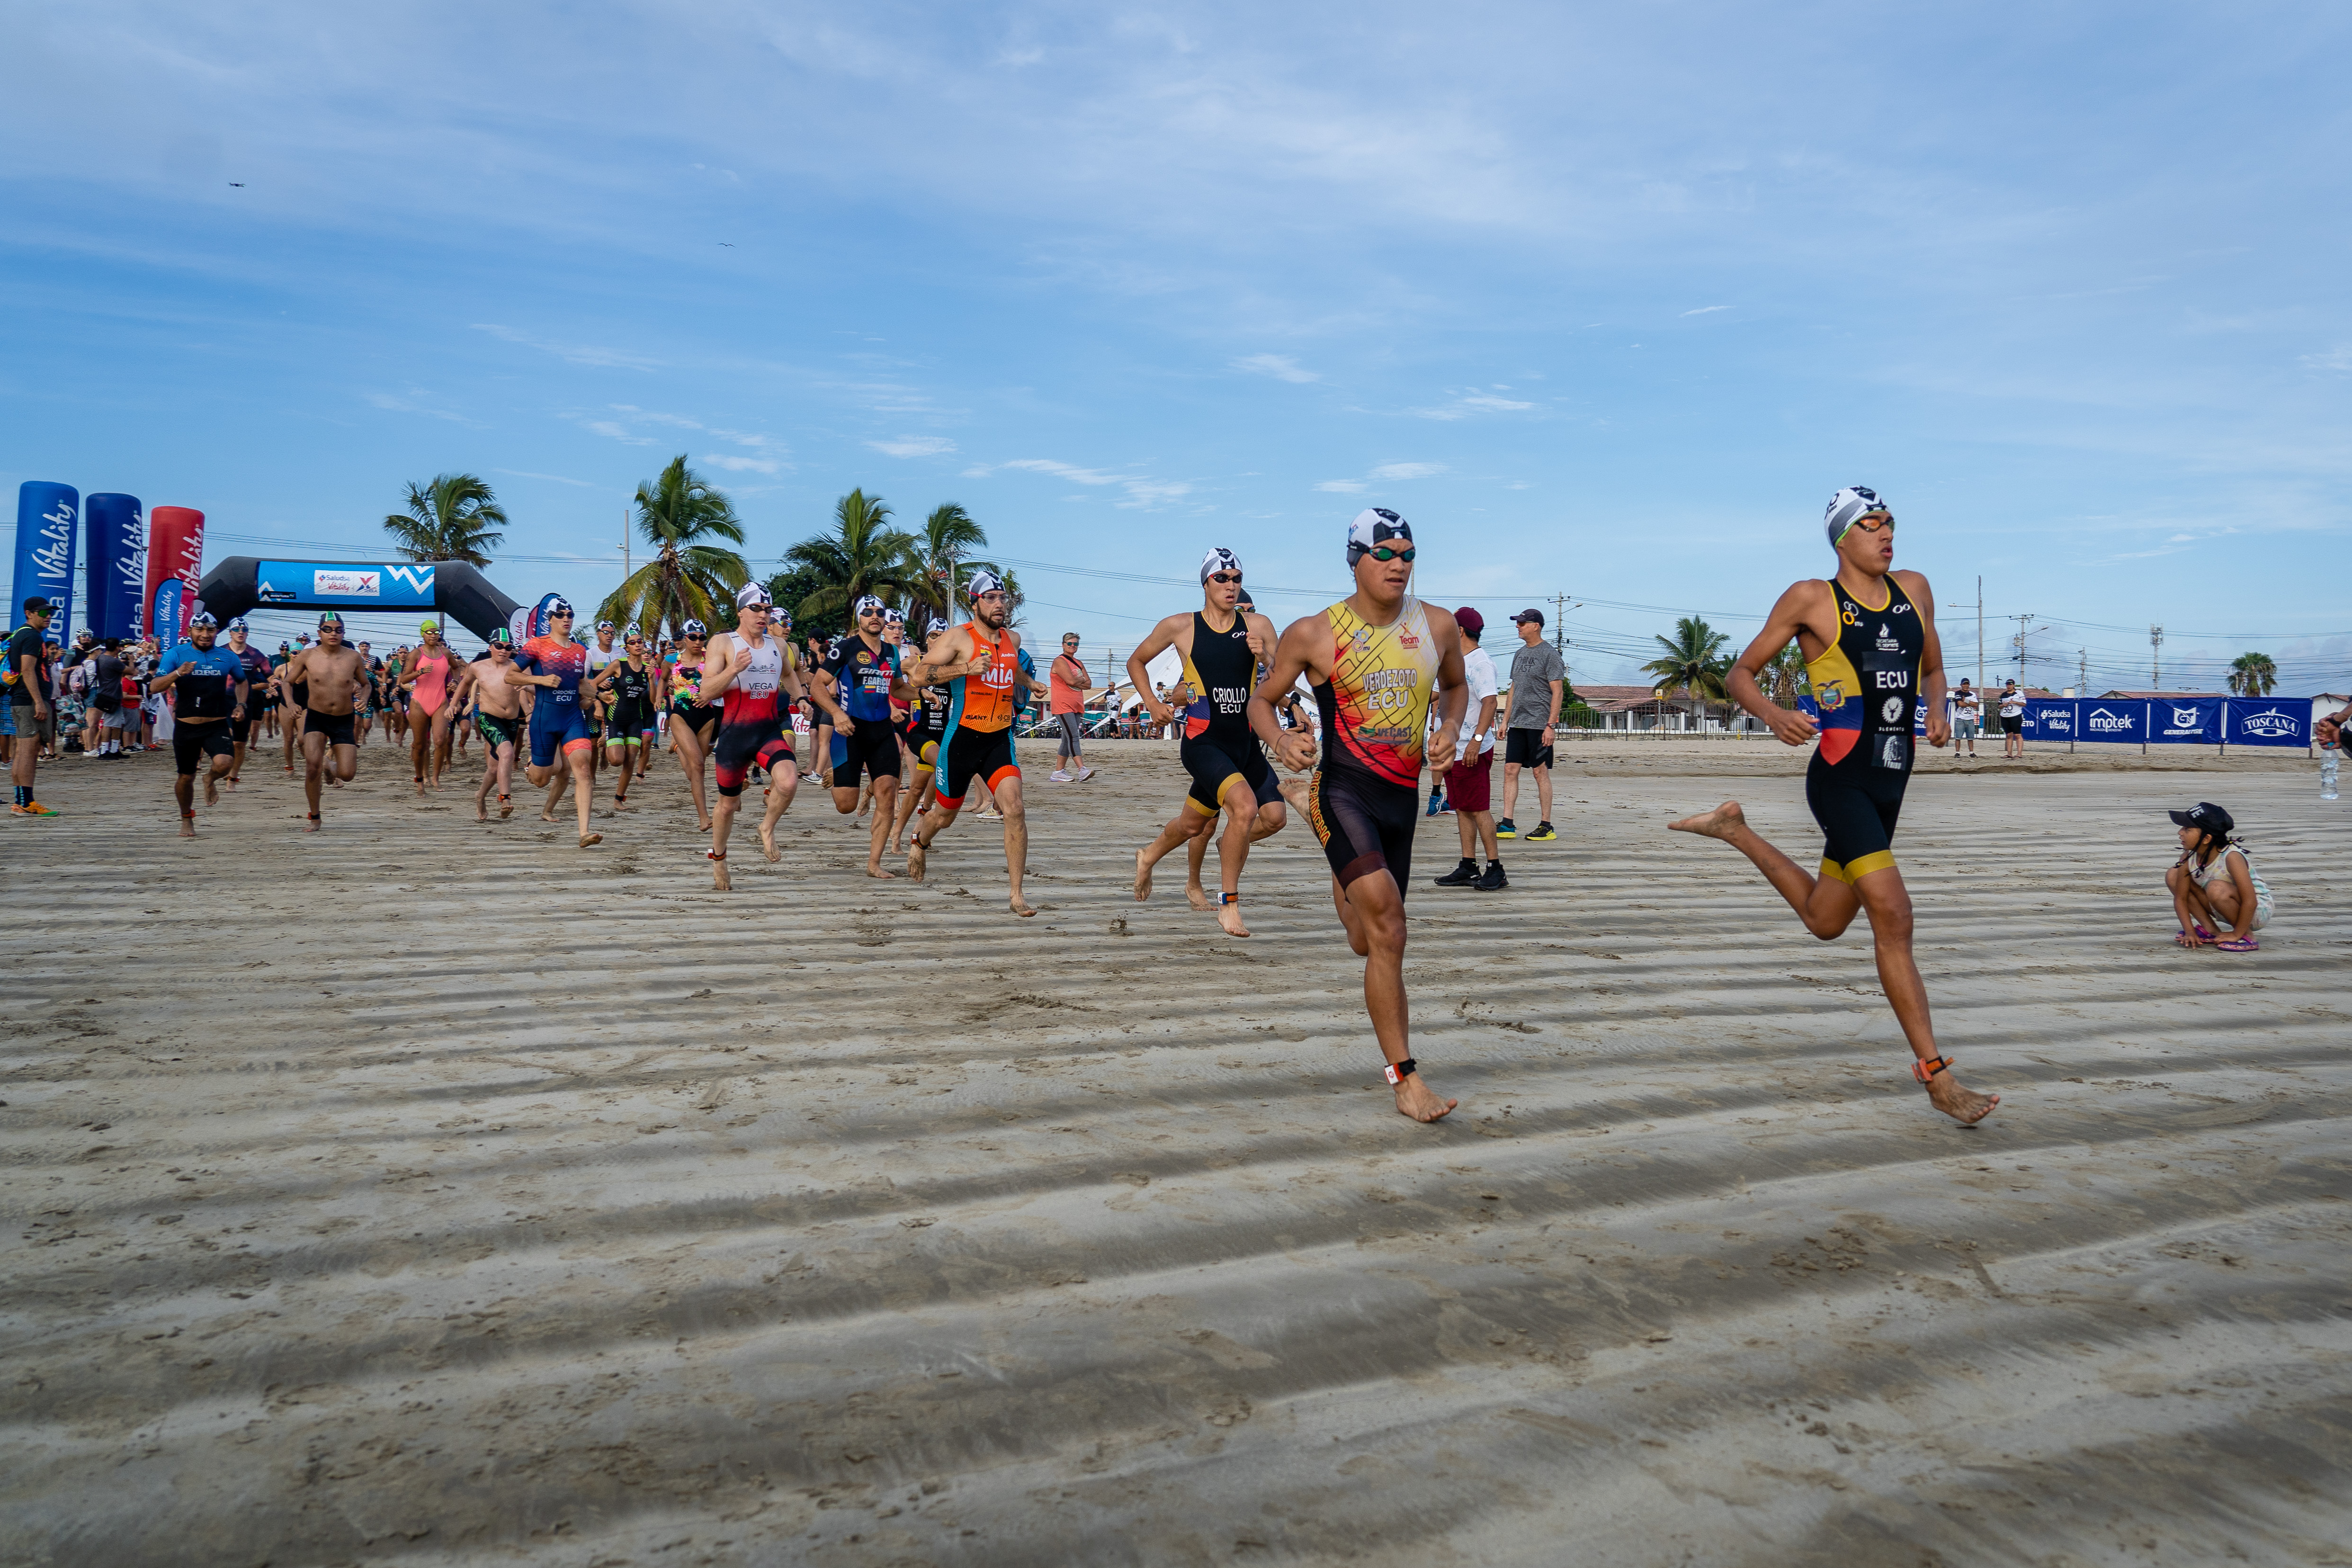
point(175, 554)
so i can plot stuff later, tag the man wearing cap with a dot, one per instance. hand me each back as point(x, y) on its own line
point(328, 679)
point(29, 704)
point(855, 689)
point(980, 663)
point(209, 694)
point(1469, 783)
point(1221, 646)
point(1538, 679)
point(1868, 635)
point(2012, 719)
point(747, 672)
point(256, 666)
point(1963, 709)
point(559, 668)
point(1375, 661)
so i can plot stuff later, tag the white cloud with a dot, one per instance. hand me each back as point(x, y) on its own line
point(1343, 487)
point(2339, 358)
point(651, 417)
point(1469, 403)
point(577, 353)
point(1147, 494)
point(408, 405)
point(915, 447)
point(1065, 471)
point(1409, 470)
point(552, 479)
point(1707, 309)
point(619, 433)
point(1282, 367)
point(735, 465)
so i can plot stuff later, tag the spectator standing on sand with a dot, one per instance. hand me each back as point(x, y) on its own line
point(1069, 683)
point(2012, 719)
point(1470, 782)
point(27, 704)
point(1964, 710)
point(1538, 677)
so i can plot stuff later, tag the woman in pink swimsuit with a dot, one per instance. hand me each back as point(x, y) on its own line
point(427, 680)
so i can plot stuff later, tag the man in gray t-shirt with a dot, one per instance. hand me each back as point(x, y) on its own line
point(1538, 679)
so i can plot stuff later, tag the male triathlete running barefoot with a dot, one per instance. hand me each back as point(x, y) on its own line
point(498, 720)
point(256, 682)
point(559, 666)
point(855, 692)
point(746, 672)
point(426, 676)
point(328, 680)
point(1221, 646)
point(212, 696)
point(693, 723)
point(1868, 636)
point(1373, 660)
point(980, 663)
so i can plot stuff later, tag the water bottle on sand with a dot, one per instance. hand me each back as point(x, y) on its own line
point(2327, 772)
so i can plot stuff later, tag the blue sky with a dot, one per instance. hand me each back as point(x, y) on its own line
point(1606, 299)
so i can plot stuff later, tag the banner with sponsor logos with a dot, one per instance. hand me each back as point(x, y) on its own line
point(2111, 720)
point(175, 556)
point(2052, 718)
point(2187, 722)
point(2267, 720)
point(394, 586)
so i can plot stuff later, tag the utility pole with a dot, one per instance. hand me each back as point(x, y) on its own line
point(1981, 675)
point(1558, 603)
point(2156, 658)
point(2022, 634)
point(2083, 676)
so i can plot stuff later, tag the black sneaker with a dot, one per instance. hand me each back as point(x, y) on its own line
point(1543, 830)
point(1466, 875)
point(1494, 880)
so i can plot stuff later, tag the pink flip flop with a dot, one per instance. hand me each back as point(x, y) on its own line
point(2240, 945)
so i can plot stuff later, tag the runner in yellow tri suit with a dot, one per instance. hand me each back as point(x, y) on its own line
point(1374, 659)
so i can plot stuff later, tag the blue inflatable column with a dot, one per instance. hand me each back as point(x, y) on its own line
point(115, 530)
point(45, 518)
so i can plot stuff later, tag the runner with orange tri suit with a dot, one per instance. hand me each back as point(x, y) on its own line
point(980, 663)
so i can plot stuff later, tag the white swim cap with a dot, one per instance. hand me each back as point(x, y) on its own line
point(1850, 506)
point(1218, 560)
point(1375, 525)
point(984, 583)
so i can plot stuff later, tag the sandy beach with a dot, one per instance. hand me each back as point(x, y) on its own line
point(434, 1192)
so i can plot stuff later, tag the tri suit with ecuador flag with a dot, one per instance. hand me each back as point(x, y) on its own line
point(1865, 685)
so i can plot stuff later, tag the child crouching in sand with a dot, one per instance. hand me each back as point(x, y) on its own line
point(2214, 880)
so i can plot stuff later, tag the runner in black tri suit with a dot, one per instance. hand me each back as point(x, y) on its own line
point(629, 730)
point(927, 726)
point(1221, 646)
point(860, 676)
point(1871, 653)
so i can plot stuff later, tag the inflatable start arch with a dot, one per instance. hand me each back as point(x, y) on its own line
point(245, 582)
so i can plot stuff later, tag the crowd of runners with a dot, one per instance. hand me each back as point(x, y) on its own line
point(907, 731)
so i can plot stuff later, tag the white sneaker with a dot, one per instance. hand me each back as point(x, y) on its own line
point(1083, 775)
point(1059, 776)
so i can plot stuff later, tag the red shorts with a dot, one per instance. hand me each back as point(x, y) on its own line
point(1469, 786)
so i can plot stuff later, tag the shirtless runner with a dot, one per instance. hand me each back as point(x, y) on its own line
point(1373, 660)
point(1868, 636)
point(498, 719)
point(1221, 645)
point(329, 679)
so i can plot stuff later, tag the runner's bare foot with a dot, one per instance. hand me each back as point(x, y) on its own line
point(1142, 878)
point(1020, 906)
point(312, 825)
point(547, 817)
point(917, 858)
point(874, 868)
point(1414, 1100)
point(506, 807)
point(1198, 897)
point(212, 790)
point(1721, 823)
point(768, 843)
point(481, 809)
point(588, 838)
point(187, 826)
point(1965, 1106)
point(719, 882)
point(1229, 916)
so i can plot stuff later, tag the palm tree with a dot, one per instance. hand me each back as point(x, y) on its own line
point(1693, 660)
point(1784, 676)
point(862, 554)
point(455, 518)
point(2253, 675)
point(690, 576)
point(941, 555)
